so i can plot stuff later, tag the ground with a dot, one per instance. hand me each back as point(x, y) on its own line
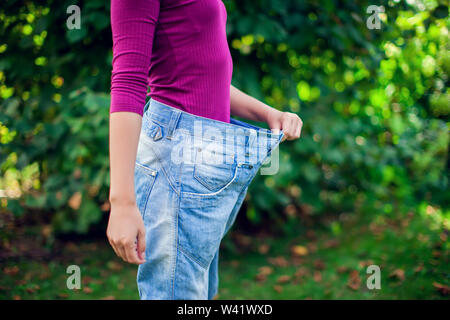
point(325, 262)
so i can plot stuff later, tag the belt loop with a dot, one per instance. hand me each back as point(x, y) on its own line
point(252, 137)
point(174, 117)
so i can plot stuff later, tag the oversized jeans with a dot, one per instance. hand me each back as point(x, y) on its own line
point(191, 177)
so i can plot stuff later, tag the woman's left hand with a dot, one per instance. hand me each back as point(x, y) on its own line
point(290, 123)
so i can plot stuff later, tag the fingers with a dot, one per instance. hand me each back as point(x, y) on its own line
point(289, 128)
point(275, 130)
point(126, 234)
point(289, 122)
point(126, 250)
point(131, 252)
point(298, 132)
point(292, 127)
point(120, 249)
point(141, 245)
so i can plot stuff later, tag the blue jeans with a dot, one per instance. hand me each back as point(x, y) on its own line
point(191, 177)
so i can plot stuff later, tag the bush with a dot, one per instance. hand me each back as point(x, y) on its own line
point(374, 104)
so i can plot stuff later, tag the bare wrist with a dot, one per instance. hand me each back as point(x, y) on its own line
point(271, 113)
point(122, 199)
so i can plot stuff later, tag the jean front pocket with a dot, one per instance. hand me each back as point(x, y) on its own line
point(214, 169)
point(144, 179)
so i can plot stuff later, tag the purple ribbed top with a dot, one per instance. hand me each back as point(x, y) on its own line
point(176, 47)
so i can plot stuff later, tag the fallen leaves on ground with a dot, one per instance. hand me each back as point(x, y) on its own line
point(11, 271)
point(33, 288)
point(419, 268)
point(319, 264)
point(278, 288)
point(297, 261)
point(279, 261)
point(283, 279)
point(242, 240)
point(398, 274)
point(235, 263)
point(114, 266)
point(436, 253)
point(86, 280)
point(301, 272)
point(377, 228)
point(87, 290)
point(342, 269)
point(366, 263)
point(354, 281)
point(442, 288)
point(263, 248)
point(317, 276)
point(312, 247)
point(331, 244)
point(263, 272)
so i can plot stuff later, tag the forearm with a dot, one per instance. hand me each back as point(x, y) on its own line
point(245, 106)
point(124, 129)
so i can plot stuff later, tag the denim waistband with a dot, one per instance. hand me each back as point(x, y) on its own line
point(235, 132)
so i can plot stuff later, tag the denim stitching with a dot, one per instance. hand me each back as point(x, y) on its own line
point(201, 264)
point(152, 171)
point(149, 188)
point(199, 178)
point(158, 158)
point(188, 194)
point(174, 276)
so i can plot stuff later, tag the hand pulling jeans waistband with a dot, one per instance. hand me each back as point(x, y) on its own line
point(235, 132)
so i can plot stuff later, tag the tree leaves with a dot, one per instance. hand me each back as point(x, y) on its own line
point(373, 103)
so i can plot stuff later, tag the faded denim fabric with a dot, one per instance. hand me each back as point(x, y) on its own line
point(191, 177)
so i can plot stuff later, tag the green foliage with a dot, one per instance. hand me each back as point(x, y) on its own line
point(374, 105)
point(55, 102)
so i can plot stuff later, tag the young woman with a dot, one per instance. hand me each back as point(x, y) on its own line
point(169, 216)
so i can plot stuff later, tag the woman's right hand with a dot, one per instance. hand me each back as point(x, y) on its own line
point(126, 232)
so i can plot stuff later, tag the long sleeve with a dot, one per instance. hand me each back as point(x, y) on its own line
point(133, 24)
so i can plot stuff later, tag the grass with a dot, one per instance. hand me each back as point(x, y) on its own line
point(333, 266)
point(328, 262)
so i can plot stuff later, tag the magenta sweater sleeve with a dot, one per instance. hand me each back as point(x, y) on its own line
point(133, 24)
point(178, 49)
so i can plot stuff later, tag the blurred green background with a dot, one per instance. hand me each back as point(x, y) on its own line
point(366, 184)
